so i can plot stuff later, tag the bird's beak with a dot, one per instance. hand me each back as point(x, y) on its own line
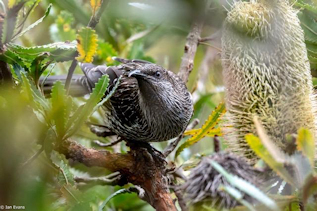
point(136, 73)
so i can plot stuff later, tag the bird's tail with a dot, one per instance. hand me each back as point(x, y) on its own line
point(77, 85)
point(81, 85)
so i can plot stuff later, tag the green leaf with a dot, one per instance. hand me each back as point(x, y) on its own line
point(237, 195)
point(306, 143)
point(65, 176)
point(35, 23)
point(246, 187)
point(204, 100)
point(61, 106)
point(59, 51)
point(33, 96)
point(260, 150)
point(87, 44)
point(208, 126)
point(119, 192)
point(83, 112)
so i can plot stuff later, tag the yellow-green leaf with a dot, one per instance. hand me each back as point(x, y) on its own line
point(306, 144)
point(211, 133)
point(260, 150)
point(206, 129)
point(95, 4)
point(86, 44)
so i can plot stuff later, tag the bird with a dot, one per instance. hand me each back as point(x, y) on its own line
point(150, 103)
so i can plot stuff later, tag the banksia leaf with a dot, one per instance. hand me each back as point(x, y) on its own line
point(83, 112)
point(306, 144)
point(58, 51)
point(95, 4)
point(87, 45)
point(35, 23)
point(206, 129)
point(260, 150)
point(61, 107)
point(33, 95)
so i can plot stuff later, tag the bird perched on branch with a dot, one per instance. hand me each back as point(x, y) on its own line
point(150, 104)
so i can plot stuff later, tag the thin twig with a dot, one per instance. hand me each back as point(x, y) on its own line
point(211, 37)
point(217, 147)
point(190, 49)
point(210, 45)
point(179, 194)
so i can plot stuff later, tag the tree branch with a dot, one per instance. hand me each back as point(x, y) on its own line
point(190, 49)
point(141, 166)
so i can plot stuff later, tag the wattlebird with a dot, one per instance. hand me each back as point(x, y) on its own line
point(150, 104)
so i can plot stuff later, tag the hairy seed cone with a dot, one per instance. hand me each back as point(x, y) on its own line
point(204, 181)
point(266, 73)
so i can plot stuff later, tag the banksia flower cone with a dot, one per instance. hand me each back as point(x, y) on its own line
point(266, 73)
point(204, 181)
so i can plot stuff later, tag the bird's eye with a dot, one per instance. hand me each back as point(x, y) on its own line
point(158, 74)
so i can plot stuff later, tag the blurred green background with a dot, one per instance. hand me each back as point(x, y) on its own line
point(151, 30)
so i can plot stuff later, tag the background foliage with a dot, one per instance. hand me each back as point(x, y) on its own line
point(38, 38)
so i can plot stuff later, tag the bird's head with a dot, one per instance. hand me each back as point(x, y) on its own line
point(151, 74)
point(162, 89)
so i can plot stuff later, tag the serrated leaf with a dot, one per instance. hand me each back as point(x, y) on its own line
point(11, 57)
point(306, 143)
point(65, 176)
point(58, 52)
point(119, 192)
point(260, 150)
point(60, 108)
point(35, 23)
point(95, 4)
point(34, 97)
point(209, 125)
point(246, 187)
point(87, 45)
point(10, 22)
point(83, 112)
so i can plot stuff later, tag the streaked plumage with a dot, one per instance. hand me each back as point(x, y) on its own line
point(151, 104)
